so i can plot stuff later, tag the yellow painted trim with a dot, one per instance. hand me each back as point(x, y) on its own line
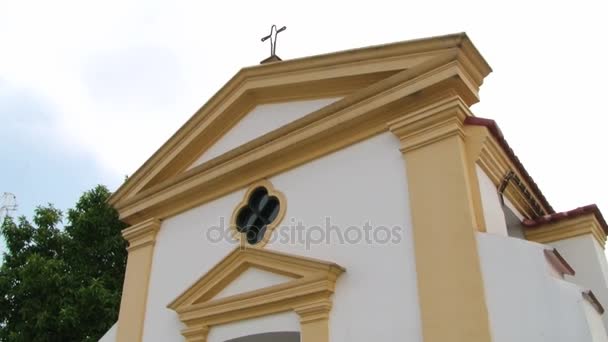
point(308, 294)
point(269, 228)
point(141, 238)
point(342, 73)
point(485, 151)
point(450, 284)
point(358, 116)
point(380, 84)
point(567, 228)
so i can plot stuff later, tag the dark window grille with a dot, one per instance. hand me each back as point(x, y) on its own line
point(253, 219)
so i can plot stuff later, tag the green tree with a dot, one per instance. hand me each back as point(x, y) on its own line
point(62, 284)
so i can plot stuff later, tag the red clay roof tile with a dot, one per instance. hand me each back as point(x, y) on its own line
point(497, 134)
point(556, 217)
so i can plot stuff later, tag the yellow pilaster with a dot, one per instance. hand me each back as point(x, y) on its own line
point(141, 238)
point(450, 284)
point(314, 320)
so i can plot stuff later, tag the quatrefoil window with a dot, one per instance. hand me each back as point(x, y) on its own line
point(259, 211)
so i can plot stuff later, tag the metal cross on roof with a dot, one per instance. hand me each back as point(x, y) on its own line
point(273, 38)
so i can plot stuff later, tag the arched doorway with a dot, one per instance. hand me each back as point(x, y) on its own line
point(278, 336)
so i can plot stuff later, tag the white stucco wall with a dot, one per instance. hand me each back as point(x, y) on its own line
point(525, 301)
point(596, 325)
point(110, 335)
point(182, 254)
point(492, 207)
point(261, 120)
point(376, 299)
point(250, 280)
point(587, 258)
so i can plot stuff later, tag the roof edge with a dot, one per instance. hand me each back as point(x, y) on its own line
point(414, 46)
point(556, 217)
point(497, 134)
point(411, 46)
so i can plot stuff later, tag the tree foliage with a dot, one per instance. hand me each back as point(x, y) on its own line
point(62, 284)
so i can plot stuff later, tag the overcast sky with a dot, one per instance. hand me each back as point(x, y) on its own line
point(90, 89)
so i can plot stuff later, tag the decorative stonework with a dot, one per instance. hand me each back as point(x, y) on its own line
point(142, 234)
point(377, 85)
point(310, 312)
point(381, 87)
point(568, 228)
point(141, 238)
point(439, 180)
point(308, 294)
point(432, 123)
point(489, 150)
point(258, 214)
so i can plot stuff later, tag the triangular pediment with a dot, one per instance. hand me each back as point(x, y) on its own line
point(349, 75)
point(354, 78)
point(260, 120)
point(287, 271)
point(252, 279)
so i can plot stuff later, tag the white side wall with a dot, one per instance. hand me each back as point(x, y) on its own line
point(525, 302)
point(492, 207)
point(596, 325)
point(261, 120)
point(110, 335)
point(182, 254)
point(376, 299)
point(250, 280)
point(587, 258)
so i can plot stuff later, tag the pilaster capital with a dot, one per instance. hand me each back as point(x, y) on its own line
point(434, 122)
point(141, 234)
point(196, 334)
point(315, 311)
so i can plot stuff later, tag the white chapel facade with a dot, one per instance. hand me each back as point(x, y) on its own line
point(354, 196)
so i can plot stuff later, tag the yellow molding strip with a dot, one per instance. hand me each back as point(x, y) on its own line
point(308, 294)
point(567, 228)
point(142, 234)
point(131, 317)
point(358, 116)
point(485, 151)
point(340, 66)
point(450, 285)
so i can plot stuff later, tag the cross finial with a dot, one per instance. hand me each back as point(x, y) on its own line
point(273, 41)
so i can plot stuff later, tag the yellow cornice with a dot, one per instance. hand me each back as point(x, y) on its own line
point(568, 228)
point(142, 234)
point(440, 119)
point(356, 117)
point(308, 294)
point(381, 52)
point(485, 151)
point(345, 73)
